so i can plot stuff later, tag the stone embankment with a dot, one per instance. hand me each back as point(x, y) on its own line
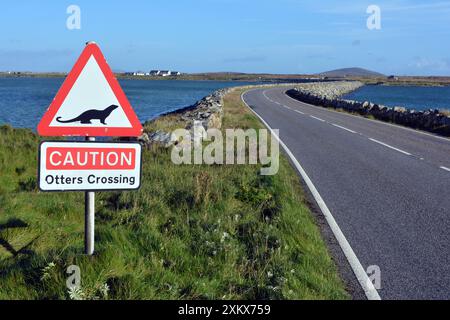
point(207, 113)
point(329, 90)
point(327, 94)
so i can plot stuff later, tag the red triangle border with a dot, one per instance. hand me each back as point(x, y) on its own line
point(44, 128)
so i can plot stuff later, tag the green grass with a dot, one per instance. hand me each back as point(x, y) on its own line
point(190, 232)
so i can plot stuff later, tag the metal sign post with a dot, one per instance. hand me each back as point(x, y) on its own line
point(89, 218)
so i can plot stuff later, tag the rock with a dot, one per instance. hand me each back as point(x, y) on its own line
point(400, 109)
point(197, 133)
point(163, 138)
point(214, 121)
point(144, 139)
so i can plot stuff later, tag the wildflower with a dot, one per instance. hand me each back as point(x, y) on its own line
point(224, 237)
point(47, 270)
point(104, 289)
point(76, 293)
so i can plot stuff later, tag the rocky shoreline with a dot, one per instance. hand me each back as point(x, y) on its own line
point(327, 94)
point(207, 112)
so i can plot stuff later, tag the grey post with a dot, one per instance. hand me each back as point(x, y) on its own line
point(89, 212)
point(89, 218)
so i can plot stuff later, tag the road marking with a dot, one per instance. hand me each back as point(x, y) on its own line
point(445, 168)
point(344, 128)
point(299, 112)
point(361, 275)
point(372, 120)
point(317, 118)
point(264, 94)
point(390, 147)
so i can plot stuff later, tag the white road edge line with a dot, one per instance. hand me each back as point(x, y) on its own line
point(363, 279)
point(390, 147)
point(299, 111)
point(317, 118)
point(344, 128)
point(445, 168)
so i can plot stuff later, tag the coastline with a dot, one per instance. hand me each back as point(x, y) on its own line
point(269, 78)
point(263, 78)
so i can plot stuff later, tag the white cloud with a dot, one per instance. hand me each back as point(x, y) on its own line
point(431, 64)
point(359, 7)
point(429, 6)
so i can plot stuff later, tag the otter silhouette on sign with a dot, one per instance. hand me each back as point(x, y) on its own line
point(89, 115)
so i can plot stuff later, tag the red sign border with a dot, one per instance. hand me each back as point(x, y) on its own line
point(88, 167)
point(78, 143)
point(44, 128)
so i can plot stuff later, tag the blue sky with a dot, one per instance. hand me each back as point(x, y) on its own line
point(278, 36)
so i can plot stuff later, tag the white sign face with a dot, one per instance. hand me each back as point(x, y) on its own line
point(90, 96)
point(89, 166)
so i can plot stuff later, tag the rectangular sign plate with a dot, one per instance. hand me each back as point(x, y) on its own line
point(89, 166)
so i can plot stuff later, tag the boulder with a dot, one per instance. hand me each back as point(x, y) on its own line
point(400, 109)
point(163, 138)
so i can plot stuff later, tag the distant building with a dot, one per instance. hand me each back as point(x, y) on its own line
point(393, 78)
point(139, 73)
point(165, 73)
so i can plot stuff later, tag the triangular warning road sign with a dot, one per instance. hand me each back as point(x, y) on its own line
point(90, 102)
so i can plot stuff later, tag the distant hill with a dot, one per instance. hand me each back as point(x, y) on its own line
point(351, 72)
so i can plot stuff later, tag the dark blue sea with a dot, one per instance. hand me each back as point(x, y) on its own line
point(23, 101)
point(411, 97)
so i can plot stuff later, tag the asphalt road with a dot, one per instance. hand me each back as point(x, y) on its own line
point(387, 187)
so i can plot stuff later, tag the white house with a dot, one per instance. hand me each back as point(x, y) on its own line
point(165, 73)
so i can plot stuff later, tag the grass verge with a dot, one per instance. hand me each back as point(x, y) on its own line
point(190, 232)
